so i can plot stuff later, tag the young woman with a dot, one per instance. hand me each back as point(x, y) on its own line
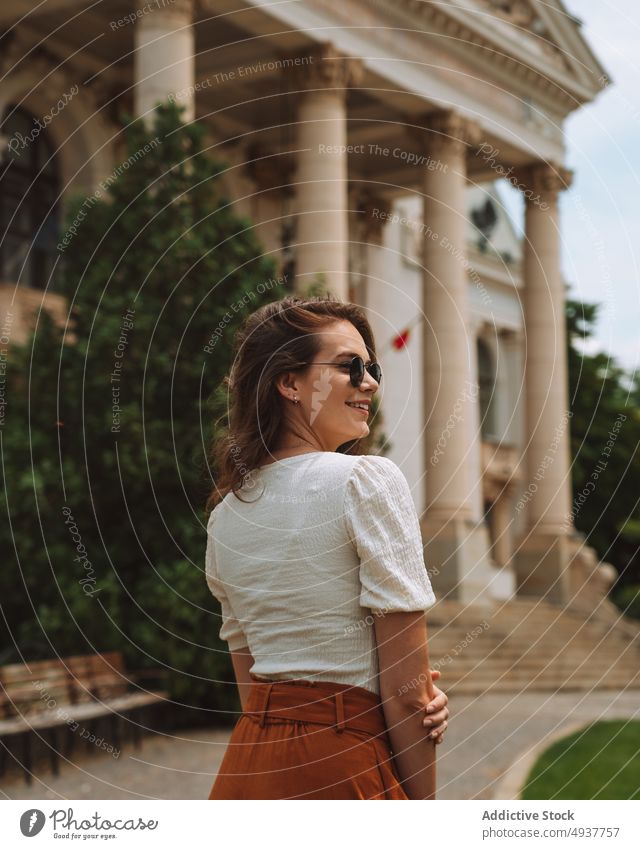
point(315, 554)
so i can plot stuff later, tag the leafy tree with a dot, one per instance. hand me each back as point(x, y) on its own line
point(105, 437)
point(605, 434)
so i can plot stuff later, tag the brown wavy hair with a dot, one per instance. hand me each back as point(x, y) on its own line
point(272, 340)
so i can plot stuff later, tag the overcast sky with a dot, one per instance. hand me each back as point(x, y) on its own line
point(601, 211)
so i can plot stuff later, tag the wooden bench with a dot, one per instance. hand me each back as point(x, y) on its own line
point(40, 698)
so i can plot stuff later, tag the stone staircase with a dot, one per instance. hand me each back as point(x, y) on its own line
point(519, 645)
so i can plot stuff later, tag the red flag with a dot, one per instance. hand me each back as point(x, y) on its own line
point(401, 340)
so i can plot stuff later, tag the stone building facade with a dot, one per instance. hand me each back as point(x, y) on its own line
point(366, 141)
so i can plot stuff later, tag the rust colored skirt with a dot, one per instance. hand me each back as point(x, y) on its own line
point(308, 740)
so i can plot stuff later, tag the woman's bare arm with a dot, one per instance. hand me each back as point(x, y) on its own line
point(406, 689)
point(434, 721)
point(242, 660)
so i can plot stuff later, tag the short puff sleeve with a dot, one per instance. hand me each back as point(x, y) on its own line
point(383, 524)
point(231, 630)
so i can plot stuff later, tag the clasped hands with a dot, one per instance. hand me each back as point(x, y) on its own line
point(436, 711)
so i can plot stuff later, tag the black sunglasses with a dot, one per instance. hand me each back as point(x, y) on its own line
point(356, 369)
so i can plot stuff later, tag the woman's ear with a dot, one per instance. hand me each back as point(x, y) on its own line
point(286, 385)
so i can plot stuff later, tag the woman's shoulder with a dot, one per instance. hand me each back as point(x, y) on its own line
point(377, 478)
point(376, 465)
point(359, 465)
point(365, 466)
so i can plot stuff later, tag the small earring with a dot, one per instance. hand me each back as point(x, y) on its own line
point(296, 400)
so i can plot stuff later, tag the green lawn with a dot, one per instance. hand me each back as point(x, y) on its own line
point(599, 762)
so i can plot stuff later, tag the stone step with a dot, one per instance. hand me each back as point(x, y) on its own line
point(444, 612)
point(533, 626)
point(529, 644)
point(565, 670)
point(561, 680)
point(474, 687)
point(525, 674)
point(512, 649)
point(509, 641)
point(587, 654)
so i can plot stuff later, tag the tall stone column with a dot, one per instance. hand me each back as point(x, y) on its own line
point(378, 296)
point(456, 538)
point(542, 561)
point(271, 173)
point(375, 211)
point(322, 232)
point(164, 63)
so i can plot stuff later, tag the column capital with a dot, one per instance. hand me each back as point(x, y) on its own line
point(170, 8)
point(322, 66)
point(269, 169)
point(542, 178)
point(374, 213)
point(445, 129)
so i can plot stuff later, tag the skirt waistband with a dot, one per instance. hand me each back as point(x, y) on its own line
point(324, 702)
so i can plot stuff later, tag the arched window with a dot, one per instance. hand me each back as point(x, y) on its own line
point(486, 381)
point(29, 212)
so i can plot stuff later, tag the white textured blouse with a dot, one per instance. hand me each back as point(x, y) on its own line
point(326, 542)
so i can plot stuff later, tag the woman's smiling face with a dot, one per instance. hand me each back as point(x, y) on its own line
point(327, 415)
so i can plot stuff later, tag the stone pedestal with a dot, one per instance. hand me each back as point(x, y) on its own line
point(542, 567)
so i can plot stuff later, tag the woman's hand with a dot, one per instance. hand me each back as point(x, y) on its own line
point(437, 711)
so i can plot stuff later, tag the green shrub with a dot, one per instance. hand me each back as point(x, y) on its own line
point(628, 600)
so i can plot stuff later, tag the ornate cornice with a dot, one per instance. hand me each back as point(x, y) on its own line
point(545, 73)
point(557, 78)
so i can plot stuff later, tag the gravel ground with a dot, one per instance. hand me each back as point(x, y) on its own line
point(486, 736)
